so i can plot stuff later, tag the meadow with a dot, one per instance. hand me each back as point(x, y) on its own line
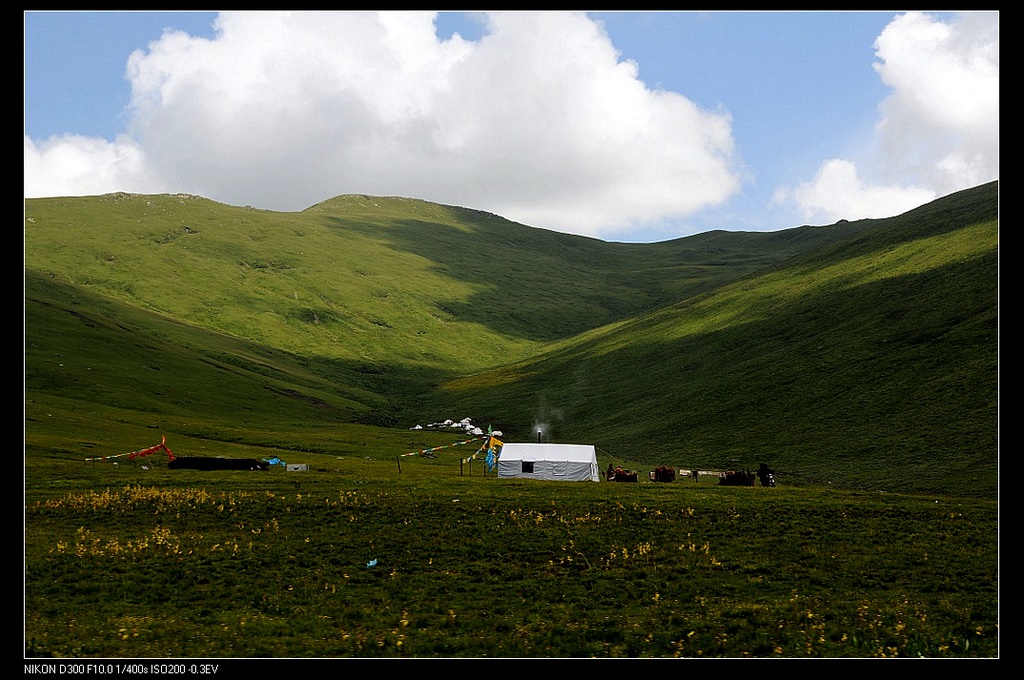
point(356, 559)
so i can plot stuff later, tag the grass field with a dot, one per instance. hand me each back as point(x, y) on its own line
point(354, 559)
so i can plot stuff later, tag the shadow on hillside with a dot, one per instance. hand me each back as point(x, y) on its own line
point(533, 284)
point(890, 384)
point(541, 285)
point(83, 346)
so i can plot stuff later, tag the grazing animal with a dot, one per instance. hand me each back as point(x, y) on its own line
point(617, 474)
point(736, 478)
point(663, 473)
point(626, 475)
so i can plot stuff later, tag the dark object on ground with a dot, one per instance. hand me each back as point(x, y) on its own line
point(201, 463)
point(766, 474)
point(663, 473)
point(736, 478)
point(617, 474)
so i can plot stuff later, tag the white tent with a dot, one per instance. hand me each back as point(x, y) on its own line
point(566, 462)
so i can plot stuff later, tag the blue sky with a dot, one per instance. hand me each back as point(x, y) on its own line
point(627, 126)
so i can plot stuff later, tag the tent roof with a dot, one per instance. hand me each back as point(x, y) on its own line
point(583, 453)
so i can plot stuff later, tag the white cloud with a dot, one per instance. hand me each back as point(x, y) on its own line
point(938, 131)
point(78, 165)
point(836, 193)
point(538, 121)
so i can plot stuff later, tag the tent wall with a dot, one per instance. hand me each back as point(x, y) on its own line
point(565, 462)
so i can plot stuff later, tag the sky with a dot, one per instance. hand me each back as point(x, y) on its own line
point(623, 126)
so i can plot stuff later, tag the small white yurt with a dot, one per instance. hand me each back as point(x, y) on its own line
point(565, 462)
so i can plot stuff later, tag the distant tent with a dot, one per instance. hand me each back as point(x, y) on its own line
point(565, 462)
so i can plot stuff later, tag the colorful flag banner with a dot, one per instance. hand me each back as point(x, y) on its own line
point(162, 446)
point(492, 447)
point(438, 448)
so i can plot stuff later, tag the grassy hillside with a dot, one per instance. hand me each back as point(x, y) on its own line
point(288, 281)
point(376, 280)
point(856, 358)
point(870, 363)
point(359, 300)
point(862, 353)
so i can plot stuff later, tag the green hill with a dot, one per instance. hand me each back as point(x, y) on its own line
point(870, 363)
point(862, 353)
